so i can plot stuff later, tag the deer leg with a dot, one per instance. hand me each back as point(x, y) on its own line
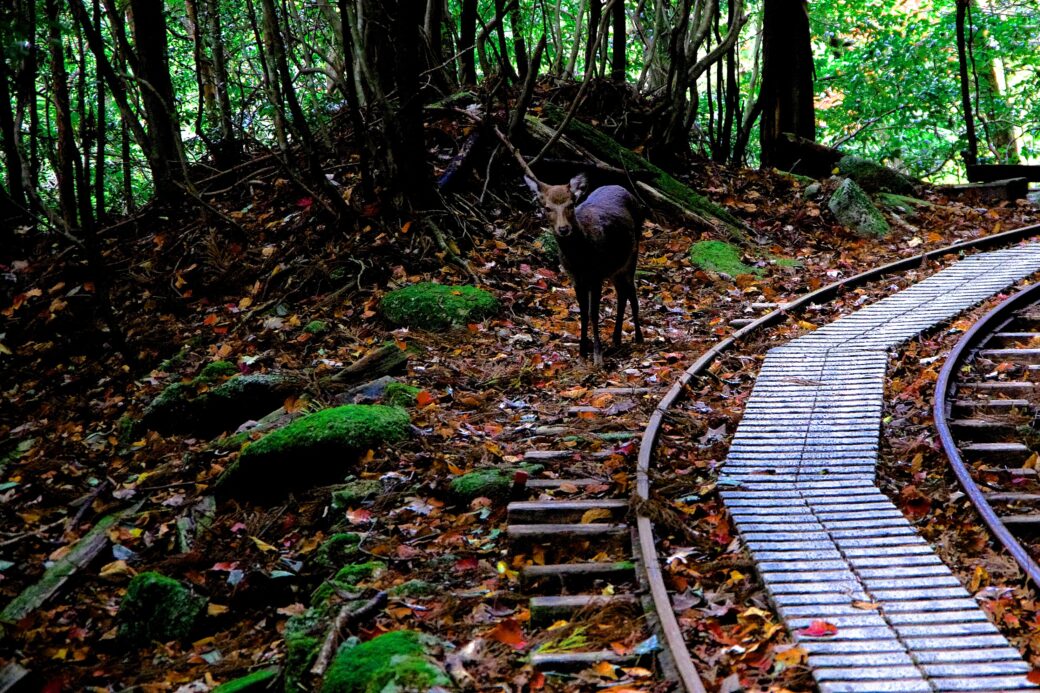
point(633, 299)
point(582, 292)
point(594, 295)
point(621, 290)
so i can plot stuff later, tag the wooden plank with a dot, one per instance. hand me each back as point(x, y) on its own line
point(1000, 386)
point(548, 455)
point(1021, 521)
point(82, 553)
point(1031, 356)
point(596, 569)
point(985, 173)
point(566, 531)
point(553, 484)
point(569, 661)
point(548, 609)
point(1006, 453)
point(999, 405)
point(1012, 497)
point(989, 192)
point(563, 511)
point(14, 678)
point(621, 391)
point(980, 429)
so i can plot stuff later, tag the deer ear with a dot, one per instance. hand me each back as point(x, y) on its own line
point(578, 185)
point(534, 185)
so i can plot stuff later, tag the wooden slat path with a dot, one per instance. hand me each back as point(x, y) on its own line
point(828, 543)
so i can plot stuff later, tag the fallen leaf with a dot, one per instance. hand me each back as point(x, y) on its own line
point(819, 629)
point(508, 632)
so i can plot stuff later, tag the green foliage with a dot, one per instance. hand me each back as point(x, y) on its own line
point(436, 306)
point(316, 327)
point(717, 256)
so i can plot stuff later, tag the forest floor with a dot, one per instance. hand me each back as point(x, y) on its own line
point(297, 294)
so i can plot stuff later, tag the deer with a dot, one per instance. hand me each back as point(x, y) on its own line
point(598, 240)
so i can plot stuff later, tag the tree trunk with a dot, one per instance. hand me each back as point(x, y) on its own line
point(66, 146)
point(467, 42)
point(9, 139)
point(519, 44)
point(595, 12)
point(971, 155)
point(619, 62)
point(787, 80)
point(102, 130)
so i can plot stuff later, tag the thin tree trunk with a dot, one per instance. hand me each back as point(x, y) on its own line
point(102, 131)
point(468, 42)
point(591, 42)
point(971, 155)
point(619, 61)
point(519, 45)
point(66, 147)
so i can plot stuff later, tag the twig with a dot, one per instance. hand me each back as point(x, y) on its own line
point(348, 614)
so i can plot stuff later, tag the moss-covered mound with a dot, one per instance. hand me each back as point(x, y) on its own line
point(158, 608)
point(348, 579)
point(436, 306)
point(854, 210)
point(486, 483)
point(337, 550)
point(303, 636)
point(401, 395)
point(394, 661)
point(317, 448)
point(355, 492)
point(873, 177)
point(716, 256)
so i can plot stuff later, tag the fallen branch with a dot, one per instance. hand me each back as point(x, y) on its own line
point(349, 613)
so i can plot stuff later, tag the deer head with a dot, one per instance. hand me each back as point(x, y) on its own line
point(559, 202)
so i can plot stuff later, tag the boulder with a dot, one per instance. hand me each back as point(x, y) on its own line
point(437, 306)
point(394, 661)
point(873, 177)
point(158, 608)
point(854, 210)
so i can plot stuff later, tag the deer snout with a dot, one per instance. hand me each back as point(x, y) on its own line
point(564, 231)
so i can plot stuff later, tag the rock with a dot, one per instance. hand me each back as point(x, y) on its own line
point(394, 661)
point(716, 256)
point(854, 210)
point(158, 608)
point(317, 448)
point(354, 492)
point(401, 395)
point(873, 177)
point(259, 680)
point(366, 393)
point(437, 306)
point(485, 483)
point(413, 589)
point(200, 407)
point(811, 191)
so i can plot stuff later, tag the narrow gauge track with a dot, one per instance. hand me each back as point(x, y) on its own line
point(986, 407)
point(553, 524)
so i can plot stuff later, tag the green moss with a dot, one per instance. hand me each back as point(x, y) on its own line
point(854, 210)
point(437, 306)
point(337, 550)
point(401, 395)
point(786, 261)
point(319, 447)
point(216, 371)
point(174, 362)
point(316, 327)
point(394, 661)
point(487, 483)
point(257, 681)
point(357, 572)
point(903, 203)
point(717, 256)
point(303, 637)
point(548, 245)
point(354, 492)
point(158, 608)
point(414, 589)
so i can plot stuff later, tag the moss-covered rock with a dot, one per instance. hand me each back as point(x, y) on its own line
point(337, 550)
point(251, 683)
point(347, 579)
point(355, 492)
point(395, 661)
point(873, 177)
point(414, 589)
point(316, 327)
point(717, 256)
point(437, 306)
point(854, 210)
point(158, 608)
point(317, 448)
point(303, 637)
point(483, 483)
point(401, 395)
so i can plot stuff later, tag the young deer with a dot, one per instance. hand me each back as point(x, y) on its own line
point(598, 239)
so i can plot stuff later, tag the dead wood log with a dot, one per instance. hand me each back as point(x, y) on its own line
point(811, 158)
point(990, 193)
point(385, 360)
point(351, 612)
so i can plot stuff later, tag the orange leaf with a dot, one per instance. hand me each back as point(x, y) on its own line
point(606, 670)
point(508, 632)
point(424, 399)
point(819, 629)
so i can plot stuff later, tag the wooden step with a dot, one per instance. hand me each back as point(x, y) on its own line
point(547, 455)
point(1010, 386)
point(621, 391)
point(1021, 522)
point(574, 574)
point(575, 530)
point(981, 429)
point(562, 511)
point(1010, 454)
point(548, 609)
point(552, 484)
point(993, 405)
point(570, 661)
point(1000, 496)
point(1015, 335)
point(1031, 356)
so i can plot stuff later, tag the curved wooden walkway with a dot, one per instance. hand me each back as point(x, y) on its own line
point(799, 482)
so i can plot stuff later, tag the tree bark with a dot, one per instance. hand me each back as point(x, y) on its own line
point(595, 12)
point(66, 147)
point(787, 80)
point(467, 42)
point(619, 60)
point(971, 155)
